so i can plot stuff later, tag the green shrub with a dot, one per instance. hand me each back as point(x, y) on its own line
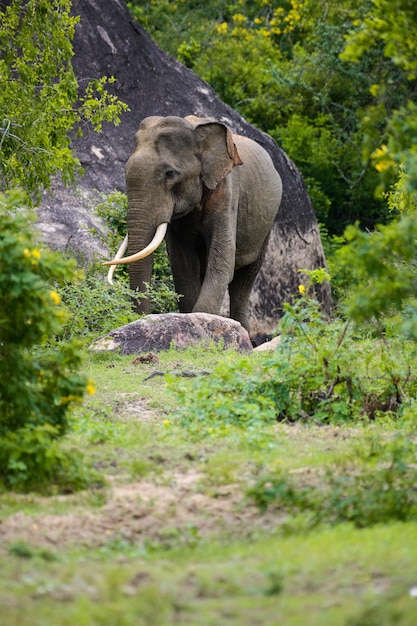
point(35, 393)
point(380, 489)
point(242, 395)
point(113, 211)
point(380, 267)
point(94, 307)
point(322, 371)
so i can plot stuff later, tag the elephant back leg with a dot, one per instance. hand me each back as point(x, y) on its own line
point(241, 286)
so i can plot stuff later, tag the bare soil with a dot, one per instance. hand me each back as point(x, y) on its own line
point(140, 511)
point(165, 508)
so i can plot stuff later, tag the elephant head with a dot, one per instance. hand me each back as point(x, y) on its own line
point(175, 162)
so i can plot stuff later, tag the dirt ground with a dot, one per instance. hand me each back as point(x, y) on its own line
point(167, 509)
point(137, 512)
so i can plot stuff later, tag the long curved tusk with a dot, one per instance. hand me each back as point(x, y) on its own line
point(119, 255)
point(156, 241)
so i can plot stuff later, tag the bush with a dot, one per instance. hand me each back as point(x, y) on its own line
point(382, 490)
point(36, 394)
point(94, 307)
point(380, 266)
point(322, 371)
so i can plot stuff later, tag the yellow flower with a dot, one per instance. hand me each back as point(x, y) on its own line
point(383, 159)
point(264, 32)
point(239, 18)
point(68, 399)
point(301, 289)
point(279, 12)
point(55, 297)
point(90, 389)
point(373, 89)
point(381, 166)
point(32, 254)
point(167, 422)
point(222, 28)
point(381, 152)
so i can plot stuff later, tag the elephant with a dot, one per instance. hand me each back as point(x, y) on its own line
point(215, 196)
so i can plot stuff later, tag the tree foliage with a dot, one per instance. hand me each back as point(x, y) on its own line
point(392, 26)
point(280, 64)
point(39, 97)
point(382, 264)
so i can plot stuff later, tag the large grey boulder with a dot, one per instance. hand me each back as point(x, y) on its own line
point(108, 41)
point(181, 330)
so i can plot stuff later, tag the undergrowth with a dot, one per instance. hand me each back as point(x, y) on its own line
point(377, 485)
point(326, 372)
point(323, 373)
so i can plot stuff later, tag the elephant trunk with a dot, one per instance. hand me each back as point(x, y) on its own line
point(141, 257)
point(139, 274)
point(140, 260)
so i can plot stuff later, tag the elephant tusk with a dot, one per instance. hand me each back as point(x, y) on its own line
point(119, 255)
point(156, 241)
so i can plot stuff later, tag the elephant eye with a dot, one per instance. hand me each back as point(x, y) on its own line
point(169, 174)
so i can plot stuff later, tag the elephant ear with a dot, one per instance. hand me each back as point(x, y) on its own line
point(218, 151)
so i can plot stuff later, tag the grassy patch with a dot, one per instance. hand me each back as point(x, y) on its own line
point(271, 523)
point(335, 576)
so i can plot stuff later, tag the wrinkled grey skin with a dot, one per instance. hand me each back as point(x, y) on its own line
point(219, 193)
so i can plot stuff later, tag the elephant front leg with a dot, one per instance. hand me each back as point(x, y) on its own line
point(218, 274)
point(202, 261)
point(211, 295)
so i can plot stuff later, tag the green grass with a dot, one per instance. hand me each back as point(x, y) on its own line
point(323, 578)
point(169, 534)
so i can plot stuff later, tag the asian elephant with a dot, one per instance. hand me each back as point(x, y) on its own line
point(215, 195)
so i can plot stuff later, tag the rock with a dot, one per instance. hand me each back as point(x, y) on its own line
point(159, 332)
point(109, 42)
point(67, 222)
